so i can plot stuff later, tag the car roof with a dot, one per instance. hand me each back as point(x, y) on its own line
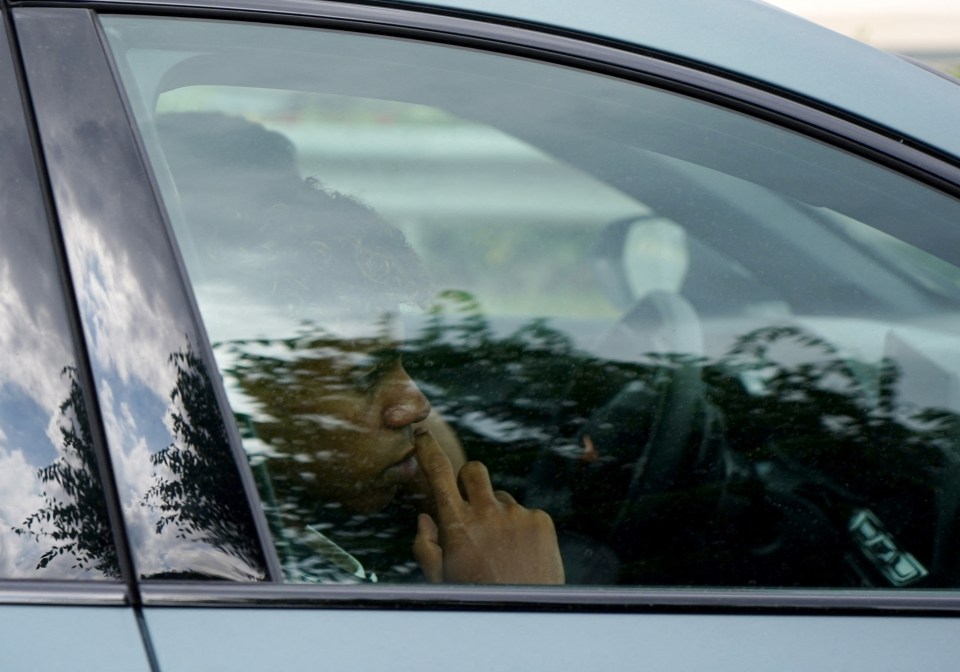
point(763, 43)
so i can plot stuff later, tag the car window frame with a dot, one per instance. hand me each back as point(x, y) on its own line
point(785, 110)
point(16, 107)
point(74, 30)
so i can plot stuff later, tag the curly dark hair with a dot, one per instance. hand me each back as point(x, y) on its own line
point(252, 217)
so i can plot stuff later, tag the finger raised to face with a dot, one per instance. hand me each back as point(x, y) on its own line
point(439, 473)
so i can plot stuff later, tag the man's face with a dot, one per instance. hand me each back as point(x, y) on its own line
point(344, 416)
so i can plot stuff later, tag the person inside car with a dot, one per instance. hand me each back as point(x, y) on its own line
point(349, 433)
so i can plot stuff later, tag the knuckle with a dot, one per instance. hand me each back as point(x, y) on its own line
point(541, 517)
point(454, 529)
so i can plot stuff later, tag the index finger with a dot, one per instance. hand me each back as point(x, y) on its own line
point(436, 466)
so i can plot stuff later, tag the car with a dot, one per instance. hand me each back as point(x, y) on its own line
point(681, 275)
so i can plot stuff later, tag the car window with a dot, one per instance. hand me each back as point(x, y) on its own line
point(715, 351)
point(53, 516)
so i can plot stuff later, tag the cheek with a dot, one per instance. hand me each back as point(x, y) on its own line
point(331, 448)
point(344, 412)
point(348, 466)
point(347, 457)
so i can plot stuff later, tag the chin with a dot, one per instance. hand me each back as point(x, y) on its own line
point(372, 502)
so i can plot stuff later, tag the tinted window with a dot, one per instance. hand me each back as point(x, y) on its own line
point(716, 352)
point(53, 519)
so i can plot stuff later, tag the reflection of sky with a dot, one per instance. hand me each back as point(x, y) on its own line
point(143, 409)
point(21, 497)
point(123, 288)
point(35, 341)
point(133, 328)
point(262, 317)
point(24, 424)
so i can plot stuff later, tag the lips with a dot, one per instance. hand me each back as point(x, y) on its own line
point(404, 469)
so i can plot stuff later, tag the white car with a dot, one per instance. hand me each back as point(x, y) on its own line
point(683, 275)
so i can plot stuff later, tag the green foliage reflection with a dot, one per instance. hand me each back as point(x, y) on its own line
point(203, 498)
point(75, 519)
point(783, 439)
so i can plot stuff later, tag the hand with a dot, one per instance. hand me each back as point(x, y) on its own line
point(480, 536)
point(417, 492)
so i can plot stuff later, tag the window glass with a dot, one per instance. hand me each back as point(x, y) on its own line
point(53, 518)
point(714, 351)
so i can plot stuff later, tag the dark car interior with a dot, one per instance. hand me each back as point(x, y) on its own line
point(716, 434)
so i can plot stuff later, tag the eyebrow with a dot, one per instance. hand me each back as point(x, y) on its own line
point(374, 358)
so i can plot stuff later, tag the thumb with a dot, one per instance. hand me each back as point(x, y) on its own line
point(426, 549)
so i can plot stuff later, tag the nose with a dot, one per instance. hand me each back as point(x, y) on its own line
point(403, 402)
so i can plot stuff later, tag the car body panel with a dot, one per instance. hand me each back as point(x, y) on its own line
point(366, 639)
point(49, 639)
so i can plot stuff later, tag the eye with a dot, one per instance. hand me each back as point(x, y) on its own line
point(375, 367)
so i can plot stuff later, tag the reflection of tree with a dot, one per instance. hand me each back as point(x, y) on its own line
point(204, 499)
point(831, 413)
point(285, 377)
point(825, 435)
point(786, 438)
point(76, 520)
point(472, 375)
point(791, 436)
point(530, 387)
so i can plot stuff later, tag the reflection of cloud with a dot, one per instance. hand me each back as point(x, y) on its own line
point(131, 456)
point(502, 430)
point(265, 317)
point(34, 349)
point(35, 346)
point(258, 319)
point(23, 496)
point(131, 301)
point(133, 466)
point(123, 315)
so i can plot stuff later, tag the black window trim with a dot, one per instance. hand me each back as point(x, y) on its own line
point(264, 540)
point(125, 588)
point(84, 21)
point(573, 599)
point(64, 593)
point(784, 110)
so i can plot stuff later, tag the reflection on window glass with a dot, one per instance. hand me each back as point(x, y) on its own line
point(362, 147)
point(53, 517)
point(712, 351)
point(53, 511)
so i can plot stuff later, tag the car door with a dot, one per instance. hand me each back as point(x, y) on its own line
point(713, 343)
